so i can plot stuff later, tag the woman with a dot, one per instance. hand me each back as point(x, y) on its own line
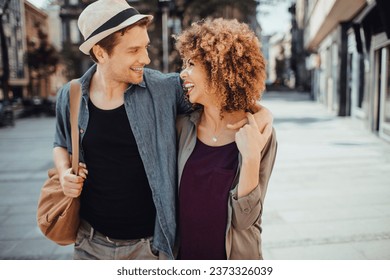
point(223, 173)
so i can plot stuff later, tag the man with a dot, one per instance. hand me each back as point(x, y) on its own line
point(128, 140)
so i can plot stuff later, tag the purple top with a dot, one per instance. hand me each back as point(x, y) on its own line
point(203, 201)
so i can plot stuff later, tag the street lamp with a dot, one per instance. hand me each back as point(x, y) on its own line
point(164, 17)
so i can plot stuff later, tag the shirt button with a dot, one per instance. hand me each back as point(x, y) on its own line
point(81, 130)
point(246, 210)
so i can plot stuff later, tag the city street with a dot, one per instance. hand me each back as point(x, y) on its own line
point(26, 154)
point(328, 197)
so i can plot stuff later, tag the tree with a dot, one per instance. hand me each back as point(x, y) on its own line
point(42, 59)
point(199, 9)
point(189, 11)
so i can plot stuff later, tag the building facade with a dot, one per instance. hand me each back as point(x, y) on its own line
point(170, 16)
point(12, 17)
point(347, 46)
point(36, 25)
point(71, 38)
point(372, 39)
point(78, 62)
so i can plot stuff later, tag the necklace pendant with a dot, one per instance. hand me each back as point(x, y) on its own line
point(214, 139)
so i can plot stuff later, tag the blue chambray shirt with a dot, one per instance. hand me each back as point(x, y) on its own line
point(151, 108)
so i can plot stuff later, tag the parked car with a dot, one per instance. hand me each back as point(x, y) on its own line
point(6, 113)
point(49, 105)
point(38, 105)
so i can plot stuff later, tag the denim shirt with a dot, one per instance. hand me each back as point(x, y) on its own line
point(151, 108)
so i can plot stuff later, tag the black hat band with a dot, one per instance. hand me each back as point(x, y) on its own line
point(115, 21)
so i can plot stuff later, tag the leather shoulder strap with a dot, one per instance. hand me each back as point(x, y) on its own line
point(75, 99)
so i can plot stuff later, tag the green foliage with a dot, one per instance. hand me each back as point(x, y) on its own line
point(199, 9)
point(71, 57)
point(42, 57)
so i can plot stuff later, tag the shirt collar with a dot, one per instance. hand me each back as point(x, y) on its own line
point(195, 116)
point(142, 84)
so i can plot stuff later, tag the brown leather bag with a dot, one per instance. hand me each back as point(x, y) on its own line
point(58, 215)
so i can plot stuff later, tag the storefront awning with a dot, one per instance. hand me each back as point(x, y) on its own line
point(372, 20)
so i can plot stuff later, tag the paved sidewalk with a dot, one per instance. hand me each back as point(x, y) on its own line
point(329, 195)
point(328, 198)
point(25, 157)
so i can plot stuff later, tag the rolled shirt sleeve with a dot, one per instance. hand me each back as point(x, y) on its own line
point(62, 130)
point(248, 209)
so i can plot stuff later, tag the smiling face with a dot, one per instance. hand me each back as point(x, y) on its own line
point(230, 52)
point(126, 62)
point(196, 83)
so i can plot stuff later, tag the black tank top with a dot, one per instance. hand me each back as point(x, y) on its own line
point(116, 198)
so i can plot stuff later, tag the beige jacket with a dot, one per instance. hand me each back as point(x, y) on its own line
point(243, 231)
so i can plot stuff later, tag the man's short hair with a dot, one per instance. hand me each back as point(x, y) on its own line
point(108, 44)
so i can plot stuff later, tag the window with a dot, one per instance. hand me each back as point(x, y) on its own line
point(74, 32)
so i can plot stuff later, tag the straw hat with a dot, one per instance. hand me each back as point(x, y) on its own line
point(104, 17)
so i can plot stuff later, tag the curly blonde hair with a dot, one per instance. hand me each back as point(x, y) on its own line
point(230, 53)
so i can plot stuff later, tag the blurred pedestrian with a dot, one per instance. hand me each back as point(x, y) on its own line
point(223, 173)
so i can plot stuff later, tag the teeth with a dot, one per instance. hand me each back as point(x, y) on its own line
point(187, 87)
point(137, 68)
